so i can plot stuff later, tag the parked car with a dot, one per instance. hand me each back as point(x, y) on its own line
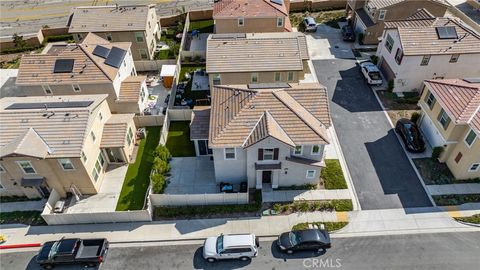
point(230, 246)
point(371, 73)
point(309, 239)
point(347, 33)
point(89, 252)
point(310, 24)
point(411, 135)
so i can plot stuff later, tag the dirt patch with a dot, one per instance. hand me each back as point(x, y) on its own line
point(328, 17)
point(399, 107)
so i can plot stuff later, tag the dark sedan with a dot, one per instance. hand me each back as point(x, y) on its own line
point(411, 135)
point(310, 239)
point(347, 33)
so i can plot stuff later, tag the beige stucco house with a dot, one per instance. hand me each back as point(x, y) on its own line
point(451, 119)
point(433, 48)
point(95, 66)
point(61, 143)
point(369, 17)
point(256, 58)
point(251, 16)
point(137, 24)
point(272, 135)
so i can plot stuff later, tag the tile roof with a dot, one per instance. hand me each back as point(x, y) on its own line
point(422, 40)
point(460, 99)
point(256, 52)
point(248, 9)
point(63, 129)
point(130, 88)
point(306, 161)
point(36, 69)
point(241, 117)
point(200, 123)
point(27, 144)
point(383, 3)
point(115, 130)
point(109, 18)
point(421, 14)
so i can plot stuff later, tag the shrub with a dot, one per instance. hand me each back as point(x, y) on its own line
point(277, 208)
point(158, 183)
point(304, 206)
point(471, 219)
point(315, 206)
point(415, 116)
point(19, 49)
point(390, 86)
point(436, 152)
point(456, 199)
point(58, 38)
point(160, 166)
point(374, 59)
point(329, 226)
point(162, 152)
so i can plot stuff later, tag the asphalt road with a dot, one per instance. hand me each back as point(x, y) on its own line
point(425, 251)
point(381, 173)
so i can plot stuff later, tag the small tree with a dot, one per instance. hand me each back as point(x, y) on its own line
point(436, 152)
point(19, 41)
point(415, 116)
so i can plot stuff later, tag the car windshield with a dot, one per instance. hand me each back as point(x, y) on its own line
point(374, 75)
point(413, 133)
point(219, 244)
point(409, 129)
point(294, 238)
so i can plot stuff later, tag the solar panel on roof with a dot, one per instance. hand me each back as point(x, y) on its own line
point(229, 36)
point(63, 66)
point(115, 57)
point(101, 51)
point(446, 32)
point(472, 80)
point(278, 2)
point(267, 85)
point(49, 105)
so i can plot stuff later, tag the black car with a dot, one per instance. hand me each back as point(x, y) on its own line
point(411, 135)
point(347, 33)
point(310, 239)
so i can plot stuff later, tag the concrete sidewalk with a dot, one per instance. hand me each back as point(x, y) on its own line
point(308, 195)
point(470, 188)
point(23, 206)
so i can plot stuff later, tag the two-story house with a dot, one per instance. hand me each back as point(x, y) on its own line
point(266, 134)
point(137, 24)
point(251, 16)
point(60, 143)
point(434, 48)
point(369, 16)
point(95, 66)
point(451, 119)
point(256, 58)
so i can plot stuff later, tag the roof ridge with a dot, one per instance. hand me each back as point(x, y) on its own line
point(253, 129)
point(477, 96)
point(441, 81)
point(281, 128)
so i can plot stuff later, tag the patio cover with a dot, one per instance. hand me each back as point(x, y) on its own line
point(168, 71)
point(277, 166)
point(34, 181)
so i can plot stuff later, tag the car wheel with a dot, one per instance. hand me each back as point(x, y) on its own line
point(91, 264)
point(290, 251)
point(211, 260)
point(47, 266)
point(244, 258)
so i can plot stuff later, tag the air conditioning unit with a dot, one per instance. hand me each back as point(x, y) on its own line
point(59, 206)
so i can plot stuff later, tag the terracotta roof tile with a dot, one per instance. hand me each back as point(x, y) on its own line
point(130, 88)
point(115, 130)
point(248, 9)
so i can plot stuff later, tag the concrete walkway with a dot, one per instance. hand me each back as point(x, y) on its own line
point(23, 206)
point(309, 195)
point(473, 188)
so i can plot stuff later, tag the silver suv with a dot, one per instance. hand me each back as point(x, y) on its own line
point(230, 246)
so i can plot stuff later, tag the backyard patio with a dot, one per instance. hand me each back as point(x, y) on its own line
point(191, 175)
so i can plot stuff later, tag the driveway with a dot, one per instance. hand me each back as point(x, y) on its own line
point(327, 43)
point(382, 175)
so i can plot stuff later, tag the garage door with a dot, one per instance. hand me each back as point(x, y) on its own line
point(430, 132)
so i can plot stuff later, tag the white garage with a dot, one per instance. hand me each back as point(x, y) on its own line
point(430, 132)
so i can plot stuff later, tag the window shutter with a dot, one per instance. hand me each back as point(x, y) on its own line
point(275, 154)
point(260, 154)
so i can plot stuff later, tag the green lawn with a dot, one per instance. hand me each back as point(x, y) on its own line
point(329, 226)
point(137, 178)
point(178, 140)
point(204, 26)
point(332, 175)
point(471, 219)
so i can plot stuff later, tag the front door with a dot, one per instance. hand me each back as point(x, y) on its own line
point(267, 177)
point(203, 149)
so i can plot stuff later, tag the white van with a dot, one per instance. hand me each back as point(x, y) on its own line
point(230, 246)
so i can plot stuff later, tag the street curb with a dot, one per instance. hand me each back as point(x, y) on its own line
point(20, 246)
point(467, 223)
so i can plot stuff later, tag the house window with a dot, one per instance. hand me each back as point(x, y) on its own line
point(268, 154)
point(399, 56)
point(66, 164)
point(290, 76)
point(298, 150)
point(470, 138)
point(143, 53)
point(254, 78)
point(149, 26)
point(109, 36)
point(92, 135)
point(280, 22)
point(139, 37)
point(2, 170)
point(316, 150)
point(84, 157)
point(229, 153)
point(129, 136)
point(311, 174)
point(454, 58)
point(458, 157)
point(216, 79)
point(389, 43)
point(443, 119)
point(47, 89)
point(98, 169)
point(76, 88)
point(26, 167)
point(95, 174)
point(425, 60)
point(474, 167)
point(277, 76)
point(381, 15)
point(430, 100)
point(241, 21)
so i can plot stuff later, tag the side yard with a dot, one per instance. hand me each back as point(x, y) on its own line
point(399, 107)
point(178, 140)
point(332, 175)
